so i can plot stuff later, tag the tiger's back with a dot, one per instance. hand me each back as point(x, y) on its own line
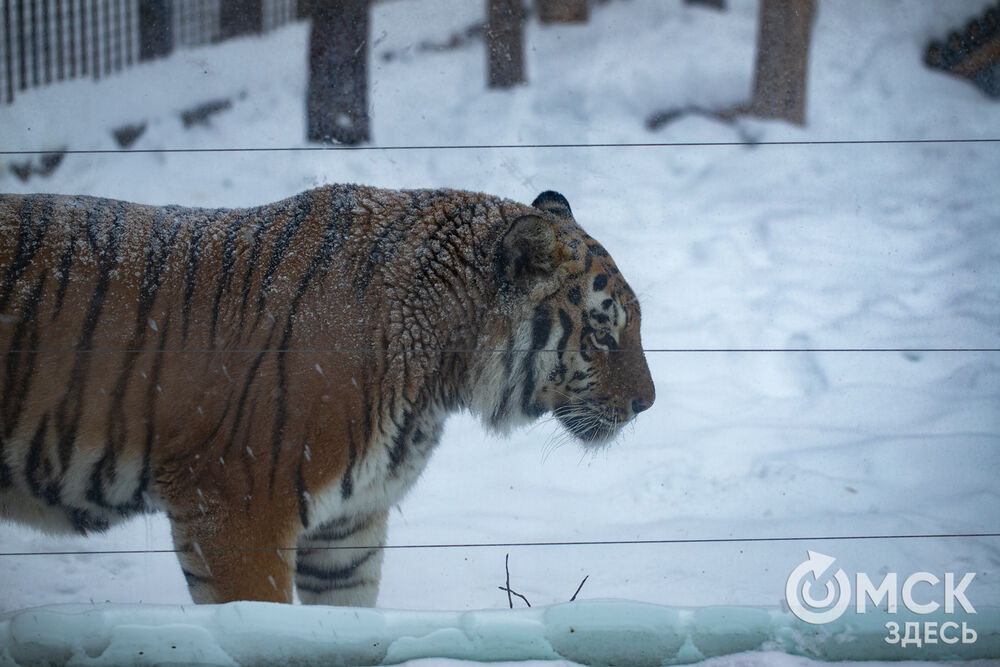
point(272, 377)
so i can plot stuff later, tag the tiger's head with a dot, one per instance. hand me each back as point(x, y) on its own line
point(570, 325)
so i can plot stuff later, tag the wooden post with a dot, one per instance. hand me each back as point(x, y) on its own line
point(240, 17)
point(562, 11)
point(155, 29)
point(779, 89)
point(337, 97)
point(505, 43)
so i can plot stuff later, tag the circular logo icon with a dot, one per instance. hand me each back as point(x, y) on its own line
point(804, 578)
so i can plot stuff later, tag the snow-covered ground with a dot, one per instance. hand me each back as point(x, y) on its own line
point(843, 248)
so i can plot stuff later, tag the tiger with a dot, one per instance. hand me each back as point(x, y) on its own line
point(275, 378)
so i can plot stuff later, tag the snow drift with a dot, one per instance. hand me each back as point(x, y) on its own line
point(595, 632)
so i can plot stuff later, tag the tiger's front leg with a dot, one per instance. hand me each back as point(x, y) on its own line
point(340, 561)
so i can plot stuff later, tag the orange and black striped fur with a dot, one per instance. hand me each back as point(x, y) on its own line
point(275, 378)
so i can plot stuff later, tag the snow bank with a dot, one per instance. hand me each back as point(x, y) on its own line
point(591, 633)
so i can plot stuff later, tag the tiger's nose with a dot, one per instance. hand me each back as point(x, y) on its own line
point(638, 405)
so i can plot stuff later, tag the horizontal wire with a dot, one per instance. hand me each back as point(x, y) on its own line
point(666, 350)
point(479, 545)
point(540, 146)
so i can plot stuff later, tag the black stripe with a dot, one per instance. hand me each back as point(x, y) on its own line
point(566, 322)
point(400, 442)
point(452, 368)
point(342, 200)
point(241, 403)
point(6, 474)
point(191, 276)
point(332, 574)
point(39, 473)
point(161, 245)
point(558, 373)
point(508, 355)
point(228, 259)
point(65, 269)
point(90, 226)
point(29, 240)
point(241, 407)
point(366, 402)
point(346, 481)
point(255, 248)
point(331, 586)
point(280, 417)
point(303, 204)
point(302, 494)
point(541, 327)
point(84, 522)
point(17, 380)
point(335, 530)
point(105, 471)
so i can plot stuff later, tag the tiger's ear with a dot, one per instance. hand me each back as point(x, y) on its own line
point(526, 252)
point(554, 203)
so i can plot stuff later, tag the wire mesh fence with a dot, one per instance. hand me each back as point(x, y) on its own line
point(48, 41)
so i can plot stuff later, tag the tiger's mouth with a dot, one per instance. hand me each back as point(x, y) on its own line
point(588, 424)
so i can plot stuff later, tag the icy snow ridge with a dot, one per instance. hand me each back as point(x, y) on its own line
point(587, 632)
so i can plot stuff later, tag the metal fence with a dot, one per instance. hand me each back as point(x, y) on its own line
point(47, 41)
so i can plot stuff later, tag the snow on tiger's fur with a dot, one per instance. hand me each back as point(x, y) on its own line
point(275, 378)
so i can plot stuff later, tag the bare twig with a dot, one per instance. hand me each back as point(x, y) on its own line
point(509, 591)
point(506, 566)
